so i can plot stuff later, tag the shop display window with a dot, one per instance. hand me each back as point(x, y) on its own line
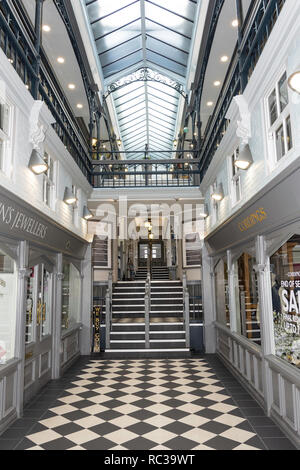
point(285, 291)
point(70, 296)
point(222, 292)
point(8, 307)
point(246, 293)
point(29, 333)
point(45, 294)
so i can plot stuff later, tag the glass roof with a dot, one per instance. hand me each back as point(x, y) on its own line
point(136, 34)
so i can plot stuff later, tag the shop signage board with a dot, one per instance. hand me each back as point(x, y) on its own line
point(277, 205)
point(21, 221)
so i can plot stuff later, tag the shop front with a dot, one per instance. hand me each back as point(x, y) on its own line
point(253, 276)
point(40, 302)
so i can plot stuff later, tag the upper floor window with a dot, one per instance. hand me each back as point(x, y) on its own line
point(235, 176)
point(279, 119)
point(214, 203)
point(5, 132)
point(49, 181)
point(75, 191)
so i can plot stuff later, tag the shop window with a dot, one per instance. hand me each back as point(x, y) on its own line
point(279, 119)
point(222, 293)
point(70, 296)
point(49, 182)
point(285, 291)
point(246, 292)
point(8, 306)
point(235, 176)
point(5, 134)
point(30, 300)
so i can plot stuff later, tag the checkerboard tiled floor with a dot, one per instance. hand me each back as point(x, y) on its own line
point(171, 404)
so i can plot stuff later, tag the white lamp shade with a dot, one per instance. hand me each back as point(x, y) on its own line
point(218, 195)
point(294, 81)
point(204, 213)
point(36, 163)
point(87, 213)
point(244, 159)
point(69, 197)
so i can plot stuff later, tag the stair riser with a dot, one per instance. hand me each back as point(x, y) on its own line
point(152, 345)
point(123, 328)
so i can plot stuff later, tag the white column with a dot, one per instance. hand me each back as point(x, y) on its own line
point(87, 305)
point(57, 309)
point(23, 274)
point(208, 304)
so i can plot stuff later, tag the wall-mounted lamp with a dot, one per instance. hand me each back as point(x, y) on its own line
point(87, 213)
point(36, 163)
point(69, 197)
point(294, 81)
point(218, 195)
point(147, 224)
point(244, 159)
point(150, 236)
point(204, 213)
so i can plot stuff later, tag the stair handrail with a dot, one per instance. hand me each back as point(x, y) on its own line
point(147, 310)
point(184, 280)
point(108, 310)
point(186, 315)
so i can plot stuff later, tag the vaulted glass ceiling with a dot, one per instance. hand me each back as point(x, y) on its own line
point(131, 36)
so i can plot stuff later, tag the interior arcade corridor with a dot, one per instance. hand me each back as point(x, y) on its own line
point(149, 225)
point(145, 404)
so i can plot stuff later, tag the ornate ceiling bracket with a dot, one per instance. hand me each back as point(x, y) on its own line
point(238, 112)
point(145, 75)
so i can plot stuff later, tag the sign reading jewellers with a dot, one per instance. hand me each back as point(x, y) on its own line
point(22, 222)
point(18, 220)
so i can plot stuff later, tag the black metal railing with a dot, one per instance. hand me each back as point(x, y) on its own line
point(145, 173)
point(255, 34)
point(196, 310)
point(16, 40)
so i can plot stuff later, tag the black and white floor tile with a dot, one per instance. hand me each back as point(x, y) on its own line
point(157, 404)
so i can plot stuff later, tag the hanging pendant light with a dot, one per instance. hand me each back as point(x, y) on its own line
point(87, 213)
point(36, 163)
point(244, 159)
point(294, 81)
point(204, 213)
point(69, 197)
point(218, 195)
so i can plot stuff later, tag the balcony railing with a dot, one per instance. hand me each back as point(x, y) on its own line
point(255, 34)
point(16, 40)
point(146, 173)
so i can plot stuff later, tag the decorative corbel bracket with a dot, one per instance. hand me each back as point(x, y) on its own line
point(239, 106)
point(24, 273)
point(37, 131)
point(259, 268)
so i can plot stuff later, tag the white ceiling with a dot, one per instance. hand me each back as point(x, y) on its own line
point(223, 44)
point(56, 43)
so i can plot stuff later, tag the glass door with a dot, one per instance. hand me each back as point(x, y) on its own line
point(38, 330)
